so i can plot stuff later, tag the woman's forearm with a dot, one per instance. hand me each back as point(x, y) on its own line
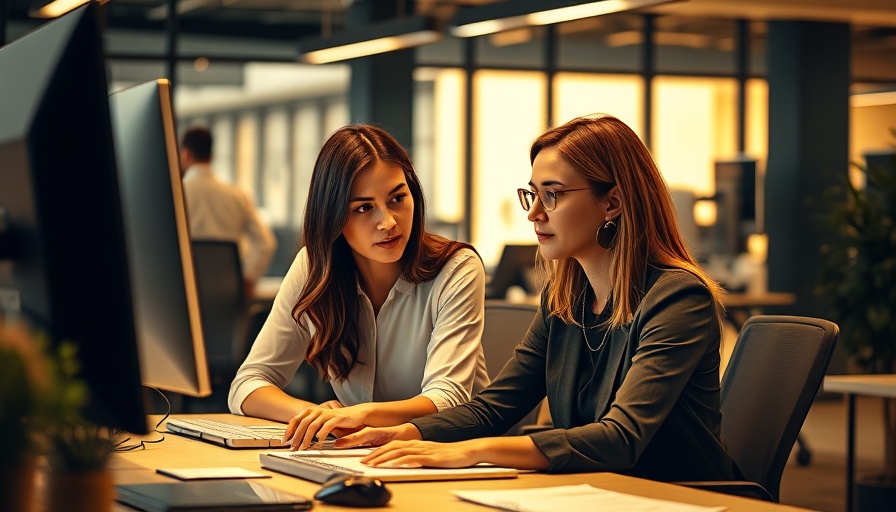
point(385, 414)
point(513, 452)
point(271, 402)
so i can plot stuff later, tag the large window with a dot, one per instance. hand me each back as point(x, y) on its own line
point(510, 112)
point(694, 126)
point(580, 94)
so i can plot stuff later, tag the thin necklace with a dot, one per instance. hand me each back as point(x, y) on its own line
point(584, 331)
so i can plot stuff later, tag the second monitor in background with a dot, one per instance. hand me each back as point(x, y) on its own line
point(515, 268)
point(166, 303)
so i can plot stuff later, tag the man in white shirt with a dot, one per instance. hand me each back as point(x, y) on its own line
point(221, 211)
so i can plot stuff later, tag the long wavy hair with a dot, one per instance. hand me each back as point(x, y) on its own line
point(330, 297)
point(607, 153)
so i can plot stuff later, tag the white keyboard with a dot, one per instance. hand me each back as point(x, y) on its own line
point(229, 434)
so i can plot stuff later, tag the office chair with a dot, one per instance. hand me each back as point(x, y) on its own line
point(506, 324)
point(776, 369)
point(222, 304)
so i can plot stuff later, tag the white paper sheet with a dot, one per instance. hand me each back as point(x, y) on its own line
point(210, 473)
point(575, 497)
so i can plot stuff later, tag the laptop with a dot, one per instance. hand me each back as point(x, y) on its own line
point(320, 465)
point(210, 496)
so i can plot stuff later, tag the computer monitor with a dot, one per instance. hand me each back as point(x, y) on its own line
point(880, 161)
point(735, 182)
point(65, 264)
point(515, 268)
point(165, 298)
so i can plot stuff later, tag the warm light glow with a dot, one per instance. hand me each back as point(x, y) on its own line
point(487, 27)
point(59, 7)
point(588, 10)
point(201, 64)
point(705, 213)
point(448, 166)
point(372, 47)
point(550, 16)
point(503, 131)
point(757, 246)
point(635, 37)
point(511, 37)
point(873, 99)
point(579, 94)
point(686, 151)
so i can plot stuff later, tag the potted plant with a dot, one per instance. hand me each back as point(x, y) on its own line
point(859, 279)
point(40, 415)
point(25, 394)
point(78, 452)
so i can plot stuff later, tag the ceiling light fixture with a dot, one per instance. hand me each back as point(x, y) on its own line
point(398, 34)
point(55, 8)
point(510, 14)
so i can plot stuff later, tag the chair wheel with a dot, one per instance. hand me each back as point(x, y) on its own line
point(803, 457)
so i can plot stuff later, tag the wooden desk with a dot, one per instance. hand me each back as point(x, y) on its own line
point(854, 385)
point(741, 306)
point(175, 451)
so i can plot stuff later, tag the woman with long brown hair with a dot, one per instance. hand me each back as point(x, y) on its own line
point(389, 314)
point(626, 343)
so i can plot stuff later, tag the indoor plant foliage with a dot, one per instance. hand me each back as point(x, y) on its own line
point(41, 400)
point(25, 394)
point(75, 444)
point(859, 280)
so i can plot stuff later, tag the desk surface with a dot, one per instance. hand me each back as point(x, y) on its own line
point(868, 385)
point(757, 300)
point(179, 452)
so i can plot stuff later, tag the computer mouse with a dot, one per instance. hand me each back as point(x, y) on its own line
point(354, 491)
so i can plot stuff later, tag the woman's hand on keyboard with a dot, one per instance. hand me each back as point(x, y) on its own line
point(378, 436)
point(315, 423)
point(331, 404)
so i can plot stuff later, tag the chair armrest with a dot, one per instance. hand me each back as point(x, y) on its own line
point(733, 487)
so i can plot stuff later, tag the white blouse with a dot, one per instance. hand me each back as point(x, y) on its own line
point(424, 341)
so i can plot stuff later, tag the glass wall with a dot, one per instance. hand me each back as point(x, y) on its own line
point(694, 126)
point(581, 94)
point(502, 133)
point(268, 144)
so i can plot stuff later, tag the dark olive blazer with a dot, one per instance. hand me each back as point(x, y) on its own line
point(646, 404)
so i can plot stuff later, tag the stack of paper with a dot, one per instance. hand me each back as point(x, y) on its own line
point(575, 497)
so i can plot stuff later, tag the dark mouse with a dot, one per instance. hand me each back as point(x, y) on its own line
point(354, 491)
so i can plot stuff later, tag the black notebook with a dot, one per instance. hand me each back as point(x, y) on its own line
point(224, 496)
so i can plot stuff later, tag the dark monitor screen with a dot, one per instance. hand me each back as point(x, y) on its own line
point(65, 265)
point(166, 304)
point(883, 161)
point(515, 268)
point(735, 183)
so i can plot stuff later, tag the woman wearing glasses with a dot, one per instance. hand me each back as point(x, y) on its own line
point(389, 314)
point(625, 345)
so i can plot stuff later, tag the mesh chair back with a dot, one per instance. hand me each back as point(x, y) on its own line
point(219, 281)
point(505, 326)
point(775, 371)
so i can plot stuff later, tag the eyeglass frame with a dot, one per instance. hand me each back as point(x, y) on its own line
point(523, 194)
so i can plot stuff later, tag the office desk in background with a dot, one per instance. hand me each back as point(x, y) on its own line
point(741, 306)
point(178, 452)
point(266, 288)
point(883, 386)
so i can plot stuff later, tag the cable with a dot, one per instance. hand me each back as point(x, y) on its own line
point(121, 446)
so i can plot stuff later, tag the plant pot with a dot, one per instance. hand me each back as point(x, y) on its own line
point(17, 486)
point(875, 493)
point(80, 491)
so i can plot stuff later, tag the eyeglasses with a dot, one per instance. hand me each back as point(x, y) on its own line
point(548, 198)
